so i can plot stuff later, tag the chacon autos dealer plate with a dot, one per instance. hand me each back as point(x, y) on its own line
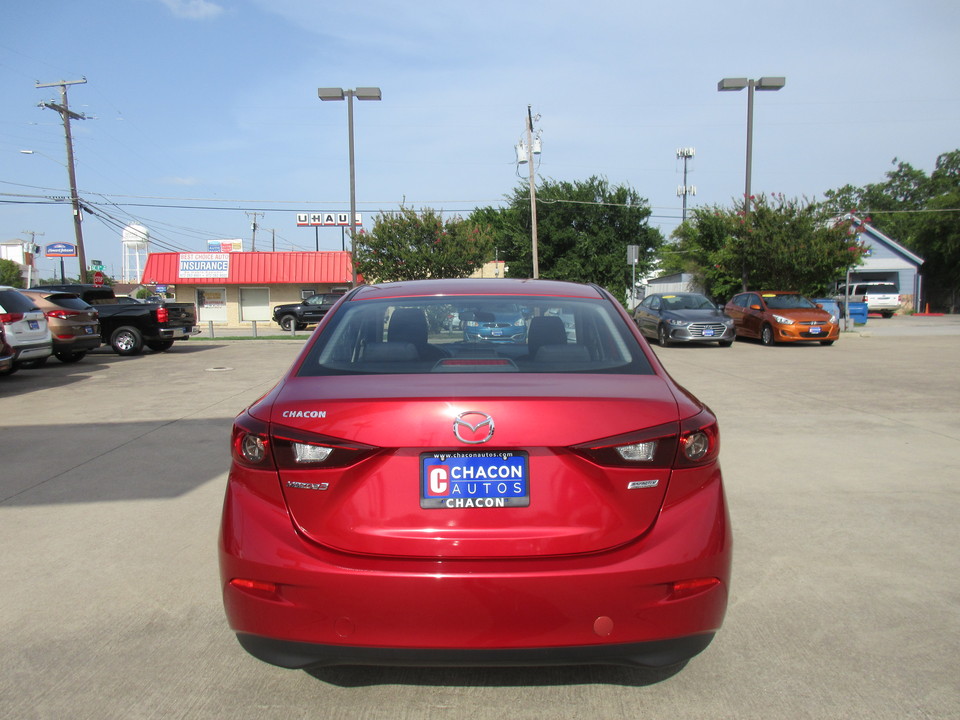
point(474, 480)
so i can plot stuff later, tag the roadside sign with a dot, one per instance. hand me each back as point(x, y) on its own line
point(61, 249)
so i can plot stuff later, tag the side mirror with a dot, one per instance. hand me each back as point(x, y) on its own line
point(756, 307)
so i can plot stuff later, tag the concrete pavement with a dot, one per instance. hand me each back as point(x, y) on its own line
point(841, 466)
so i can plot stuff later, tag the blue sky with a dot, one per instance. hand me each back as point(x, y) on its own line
point(204, 110)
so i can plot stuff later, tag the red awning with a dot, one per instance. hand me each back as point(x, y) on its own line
point(236, 268)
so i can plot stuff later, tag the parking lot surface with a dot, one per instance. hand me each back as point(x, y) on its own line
point(841, 463)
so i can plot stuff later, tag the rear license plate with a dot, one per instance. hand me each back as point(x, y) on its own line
point(88, 330)
point(474, 480)
point(34, 324)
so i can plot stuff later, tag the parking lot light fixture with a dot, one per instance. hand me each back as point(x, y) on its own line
point(360, 93)
point(768, 83)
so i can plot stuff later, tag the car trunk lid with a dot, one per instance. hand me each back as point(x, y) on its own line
point(380, 506)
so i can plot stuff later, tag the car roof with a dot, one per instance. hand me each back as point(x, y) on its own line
point(476, 286)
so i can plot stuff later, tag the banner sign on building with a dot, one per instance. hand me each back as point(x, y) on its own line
point(204, 265)
point(224, 246)
point(327, 218)
point(61, 249)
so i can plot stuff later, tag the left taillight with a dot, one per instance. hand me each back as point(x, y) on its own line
point(250, 443)
point(163, 315)
point(255, 444)
point(699, 440)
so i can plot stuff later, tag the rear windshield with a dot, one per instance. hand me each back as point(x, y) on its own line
point(476, 334)
point(66, 300)
point(13, 302)
point(883, 289)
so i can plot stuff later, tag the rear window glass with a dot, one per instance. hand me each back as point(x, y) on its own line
point(13, 302)
point(71, 302)
point(476, 334)
point(884, 289)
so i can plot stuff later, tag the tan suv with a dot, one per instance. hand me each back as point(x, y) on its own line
point(74, 324)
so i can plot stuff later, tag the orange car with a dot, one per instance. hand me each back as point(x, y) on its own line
point(775, 317)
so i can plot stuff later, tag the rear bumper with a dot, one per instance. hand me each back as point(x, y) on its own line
point(77, 343)
point(289, 654)
point(32, 351)
point(329, 608)
point(178, 333)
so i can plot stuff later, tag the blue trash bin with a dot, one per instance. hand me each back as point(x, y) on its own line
point(858, 311)
point(830, 305)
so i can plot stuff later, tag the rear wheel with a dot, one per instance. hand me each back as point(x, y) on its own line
point(126, 340)
point(766, 336)
point(70, 357)
point(159, 345)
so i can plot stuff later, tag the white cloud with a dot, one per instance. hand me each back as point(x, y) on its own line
point(193, 9)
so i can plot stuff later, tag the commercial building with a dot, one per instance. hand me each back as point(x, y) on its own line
point(233, 289)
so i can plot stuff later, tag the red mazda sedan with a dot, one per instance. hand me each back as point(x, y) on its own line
point(408, 496)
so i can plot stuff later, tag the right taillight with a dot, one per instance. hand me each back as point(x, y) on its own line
point(699, 440)
point(697, 443)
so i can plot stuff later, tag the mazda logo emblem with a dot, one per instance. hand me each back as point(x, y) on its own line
point(473, 427)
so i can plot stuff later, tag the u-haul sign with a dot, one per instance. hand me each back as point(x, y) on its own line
point(327, 218)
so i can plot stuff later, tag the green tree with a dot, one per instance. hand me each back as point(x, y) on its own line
point(920, 212)
point(10, 274)
point(407, 245)
point(784, 244)
point(583, 230)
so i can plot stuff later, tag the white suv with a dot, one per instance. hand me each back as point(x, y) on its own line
point(881, 297)
point(25, 327)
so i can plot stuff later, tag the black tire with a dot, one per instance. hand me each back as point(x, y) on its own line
point(33, 364)
point(828, 343)
point(70, 357)
point(662, 337)
point(887, 314)
point(9, 371)
point(287, 322)
point(766, 336)
point(725, 343)
point(126, 340)
point(159, 345)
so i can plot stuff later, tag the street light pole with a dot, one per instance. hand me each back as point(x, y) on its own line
point(736, 84)
point(361, 93)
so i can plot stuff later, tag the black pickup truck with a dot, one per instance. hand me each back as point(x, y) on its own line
point(309, 312)
point(128, 326)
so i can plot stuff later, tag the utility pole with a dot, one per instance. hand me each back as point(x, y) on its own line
point(67, 116)
point(253, 227)
point(525, 154)
point(33, 249)
point(685, 154)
